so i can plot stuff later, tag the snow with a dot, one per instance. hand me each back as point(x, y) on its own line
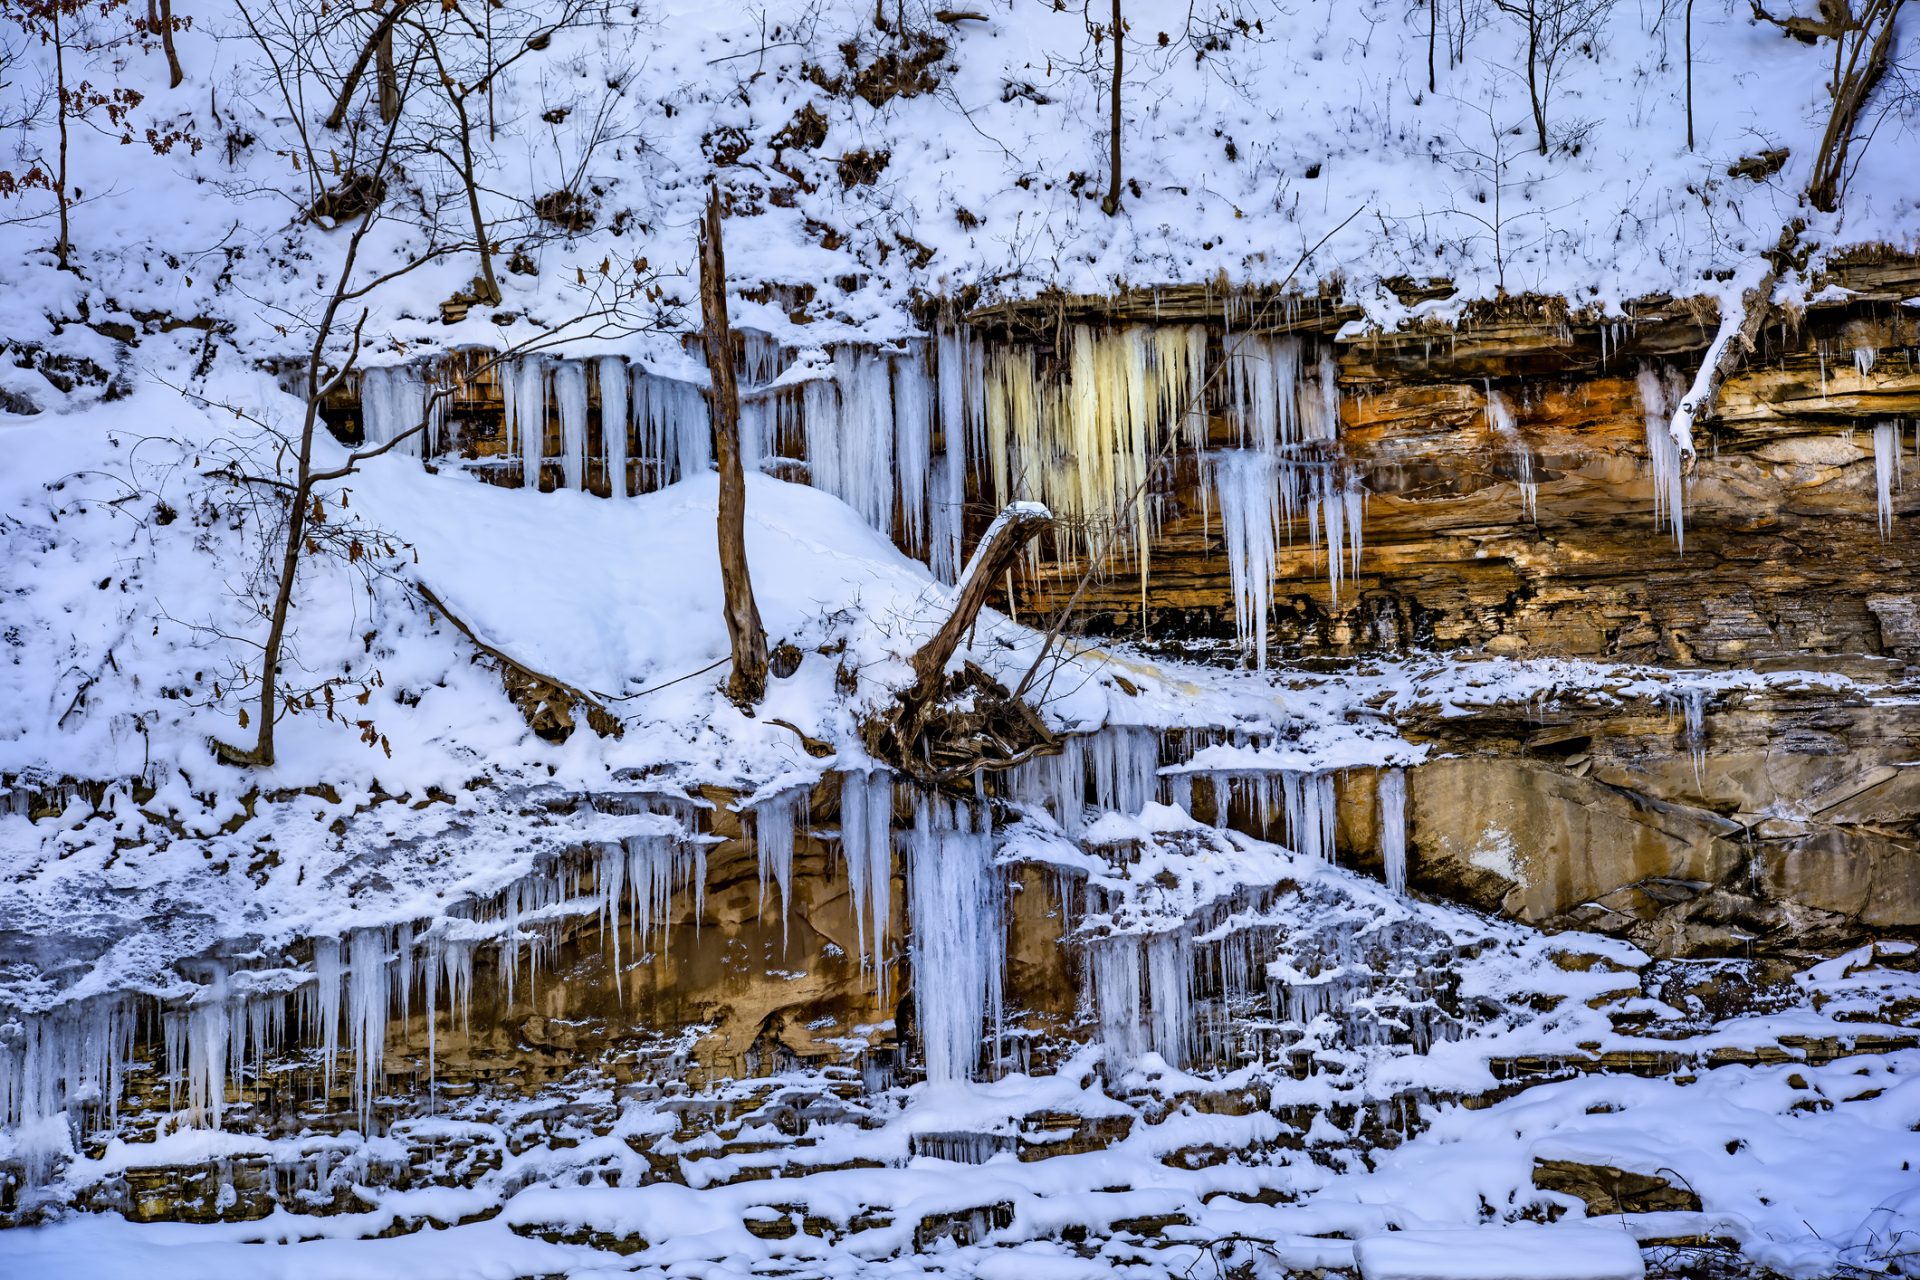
point(1506, 1253)
point(404, 845)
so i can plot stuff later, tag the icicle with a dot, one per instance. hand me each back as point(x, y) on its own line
point(325, 1009)
point(1311, 812)
point(1249, 497)
point(209, 1030)
point(1170, 986)
point(774, 820)
point(1663, 455)
point(523, 392)
point(913, 392)
point(610, 882)
point(958, 943)
point(394, 400)
point(1085, 445)
point(57, 1064)
point(611, 373)
point(850, 434)
point(958, 422)
point(1323, 422)
point(759, 414)
point(570, 397)
point(1392, 802)
point(1693, 710)
point(1125, 766)
point(672, 430)
point(1116, 990)
point(367, 989)
point(866, 841)
point(1056, 783)
point(1863, 360)
point(457, 956)
point(1886, 471)
point(430, 964)
point(1500, 419)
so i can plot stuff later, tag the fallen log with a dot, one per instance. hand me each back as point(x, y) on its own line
point(942, 727)
point(547, 702)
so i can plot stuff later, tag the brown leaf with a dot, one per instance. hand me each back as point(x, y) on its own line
point(243, 717)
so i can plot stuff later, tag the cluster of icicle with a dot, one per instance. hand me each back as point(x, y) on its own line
point(57, 1064)
point(1286, 465)
point(401, 408)
point(1500, 422)
point(664, 430)
point(1660, 391)
point(1084, 438)
point(61, 1068)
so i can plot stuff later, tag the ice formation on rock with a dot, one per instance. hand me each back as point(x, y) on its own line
point(1170, 986)
point(610, 375)
point(1115, 963)
point(396, 403)
point(866, 842)
point(1086, 444)
point(958, 939)
point(850, 431)
point(774, 820)
point(913, 409)
point(1392, 802)
point(1886, 471)
point(1246, 485)
point(523, 405)
point(672, 428)
point(1500, 420)
point(570, 399)
point(1657, 397)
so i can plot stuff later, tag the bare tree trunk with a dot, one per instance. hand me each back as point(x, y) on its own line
point(1111, 205)
point(64, 248)
point(995, 732)
point(160, 22)
point(1533, 79)
point(1689, 53)
point(748, 683)
point(389, 78)
point(1015, 527)
point(1725, 357)
point(1857, 71)
point(489, 283)
point(1433, 33)
point(382, 35)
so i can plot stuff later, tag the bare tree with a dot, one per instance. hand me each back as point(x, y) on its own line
point(1117, 30)
point(74, 30)
point(1485, 202)
point(333, 354)
point(1687, 41)
point(1862, 36)
point(1861, 32)
point(161, 22)
point(748, 682)
point(1553, 28)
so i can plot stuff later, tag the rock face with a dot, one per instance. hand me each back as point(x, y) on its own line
point(1783, 557)
point(1785, 819)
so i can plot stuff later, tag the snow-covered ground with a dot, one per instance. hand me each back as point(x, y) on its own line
point(1254, 137)
point(411, 799)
